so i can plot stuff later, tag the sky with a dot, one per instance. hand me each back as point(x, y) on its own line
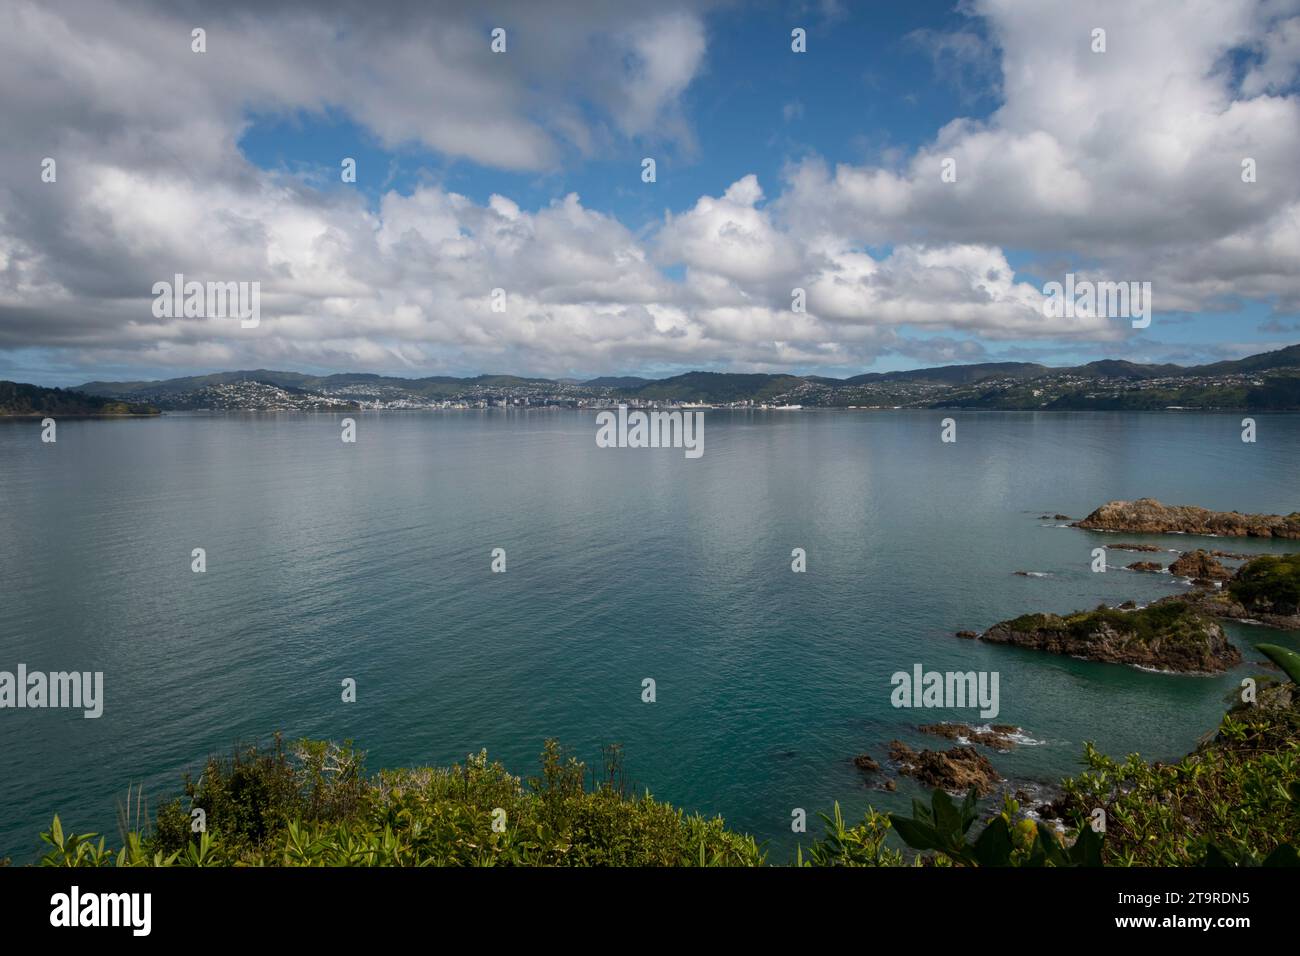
point(920, 171)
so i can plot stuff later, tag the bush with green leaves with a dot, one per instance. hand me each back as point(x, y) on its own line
point(1233, 802)
point(859, 845)
point(1284, 658)
point(1236, 798)
point(312, 805)
point(247, 796)
point(943, 827)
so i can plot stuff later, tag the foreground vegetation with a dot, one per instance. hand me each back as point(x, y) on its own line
point(313, 805)
point(1234, 801)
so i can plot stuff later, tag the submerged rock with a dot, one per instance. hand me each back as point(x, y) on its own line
point(997, 736)
point(1149, 516)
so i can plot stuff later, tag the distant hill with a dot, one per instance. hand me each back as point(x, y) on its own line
point(19, 400)
point(716, 387)
point(432, 386)
point(617, 381)
point(195, 382)
point(955, 374)
point(1117, 368)
point(1288, 357)
point(1270, 380)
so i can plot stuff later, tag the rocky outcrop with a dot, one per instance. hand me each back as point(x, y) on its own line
point(1148, 516)
point(1265, 591)
point(1268, 587)
point(955, 770)
point(1199, 565)
point(1211, 602)
point(1165, 636)
point(1133, 547)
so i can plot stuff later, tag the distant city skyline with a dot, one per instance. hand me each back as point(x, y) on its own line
point(920, 172)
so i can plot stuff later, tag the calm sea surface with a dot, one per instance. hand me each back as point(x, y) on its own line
point(371, 561)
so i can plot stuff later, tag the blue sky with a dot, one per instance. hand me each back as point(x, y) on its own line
point(775, 170)
point(872, 87)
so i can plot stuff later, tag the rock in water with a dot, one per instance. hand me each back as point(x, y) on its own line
point(1154, 566)
point(864, 763)
point(1200, 565)
point(1165, 636)
point(1265, 590)
point(1149, 516)
point(956, 770)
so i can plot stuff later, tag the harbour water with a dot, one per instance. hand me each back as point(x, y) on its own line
point(371, 561)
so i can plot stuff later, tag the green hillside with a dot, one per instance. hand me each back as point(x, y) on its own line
point(19, 400)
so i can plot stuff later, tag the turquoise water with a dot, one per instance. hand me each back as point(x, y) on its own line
point(371, 561)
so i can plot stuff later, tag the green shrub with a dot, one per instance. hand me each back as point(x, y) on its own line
point(1272, 580)
point(1006, 840)
point(1237, 797)
point(1235, 801)
point(312, 805)
point(860, 845)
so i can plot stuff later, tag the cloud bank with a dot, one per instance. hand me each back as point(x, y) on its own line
point(1127, 163)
